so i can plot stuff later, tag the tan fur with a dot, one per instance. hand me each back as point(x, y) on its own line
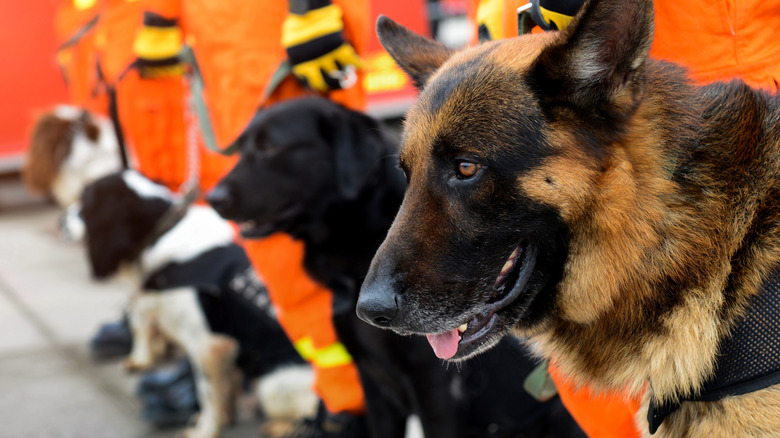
point(218, 366)
point(751, 415)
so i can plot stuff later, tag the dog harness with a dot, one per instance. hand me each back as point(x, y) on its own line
point(235, 302)
point(748, 359)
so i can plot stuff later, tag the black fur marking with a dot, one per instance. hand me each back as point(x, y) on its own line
point(117, 219)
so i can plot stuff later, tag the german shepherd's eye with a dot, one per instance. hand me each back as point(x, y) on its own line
point(467, 169)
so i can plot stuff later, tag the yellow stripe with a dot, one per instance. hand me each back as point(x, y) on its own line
point(331, 356)
point(491, 14)
point(158, 42)
point(560, 20)
point(83, 4)
point(298, 29)
point(305, 347)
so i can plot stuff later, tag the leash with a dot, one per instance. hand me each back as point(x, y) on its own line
point(198, 104)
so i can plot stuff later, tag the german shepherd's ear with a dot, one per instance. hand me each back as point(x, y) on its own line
point(597, 63)
point(418, 56)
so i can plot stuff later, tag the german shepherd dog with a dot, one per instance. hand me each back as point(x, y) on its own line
point(567, 188)
point(328, 176)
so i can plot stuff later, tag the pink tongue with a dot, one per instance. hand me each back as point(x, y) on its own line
point(445, 345)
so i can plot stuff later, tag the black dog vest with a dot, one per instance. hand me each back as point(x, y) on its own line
point(235, 303)
point(748, 359)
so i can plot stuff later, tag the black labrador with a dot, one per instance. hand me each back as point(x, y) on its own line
point(329, 176)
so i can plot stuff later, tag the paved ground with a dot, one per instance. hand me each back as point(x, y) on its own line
point(49, 309)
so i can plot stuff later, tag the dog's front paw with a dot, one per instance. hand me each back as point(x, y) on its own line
point(71, 225)
point(195, 432)
point(133, 366)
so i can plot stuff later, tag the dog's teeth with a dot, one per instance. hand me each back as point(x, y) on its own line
point(463, 328)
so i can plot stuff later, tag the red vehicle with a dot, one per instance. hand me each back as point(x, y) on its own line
point(30, 81)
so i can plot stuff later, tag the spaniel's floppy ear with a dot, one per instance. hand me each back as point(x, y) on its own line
point(108, 234)
point(50, 145)
point(418, 56)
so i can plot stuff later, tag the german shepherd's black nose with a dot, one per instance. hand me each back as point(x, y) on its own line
point(377, 304)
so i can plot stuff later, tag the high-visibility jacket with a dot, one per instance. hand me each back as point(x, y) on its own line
point(238, 48)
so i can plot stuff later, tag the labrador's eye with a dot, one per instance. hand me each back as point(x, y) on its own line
point(467, 169)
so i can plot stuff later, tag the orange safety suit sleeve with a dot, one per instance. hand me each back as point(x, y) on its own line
point(600, 415)
point(305, 312)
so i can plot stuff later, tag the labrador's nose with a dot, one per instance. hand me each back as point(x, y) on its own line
point(220, 198)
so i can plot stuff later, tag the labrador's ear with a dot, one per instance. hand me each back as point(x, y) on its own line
point(595, 63)
point(357, 141)
point(418, 56)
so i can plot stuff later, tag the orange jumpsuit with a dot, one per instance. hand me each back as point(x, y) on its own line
point(238, 48)
point(721, 40)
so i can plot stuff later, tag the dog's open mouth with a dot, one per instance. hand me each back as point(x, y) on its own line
point(254, 229)
point(509, 286)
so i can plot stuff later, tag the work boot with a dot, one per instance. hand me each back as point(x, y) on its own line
point(114, 340)
point(329, 425)
point(169, 396)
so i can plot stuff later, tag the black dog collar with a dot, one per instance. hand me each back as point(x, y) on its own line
point(748, 359)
